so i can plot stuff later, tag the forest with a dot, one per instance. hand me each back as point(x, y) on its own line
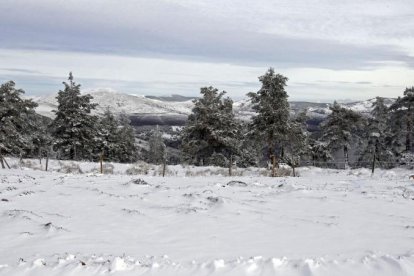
point(212, 136)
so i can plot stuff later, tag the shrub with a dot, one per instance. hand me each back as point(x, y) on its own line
point(138, 168)
point(69, 168)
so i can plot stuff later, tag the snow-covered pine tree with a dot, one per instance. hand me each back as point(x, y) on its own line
point(376, 150)
point(402, 114)
point(211, 134)
point(298, 146)
point(41, 138)
point(251, 148)
point(126, 149)
point(157, 149)
point(340, 130)
point(14, 126)
point(271, 123)
point(319, 152)
point(107, 138)
point(74, 128)
point(396, 125)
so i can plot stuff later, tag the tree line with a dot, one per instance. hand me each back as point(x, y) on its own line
point(74, 134)
point(213, 134)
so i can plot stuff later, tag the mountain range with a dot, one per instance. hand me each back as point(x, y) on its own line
point(173, 110)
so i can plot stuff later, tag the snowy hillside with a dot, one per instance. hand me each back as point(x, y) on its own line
point(326, 222)
point(317, 111)
point(135, 104)
point(119, 102)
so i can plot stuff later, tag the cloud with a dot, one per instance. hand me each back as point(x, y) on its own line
point(20, 70)
point(355, 48)
point(174, 29)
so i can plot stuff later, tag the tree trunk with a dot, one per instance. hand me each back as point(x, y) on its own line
point(101, 162)
point(273, 165)
point(230, 165)
point(47, 160)
point(40, 155)
point(374, 157)
point(164, 166)
point(293, 170)
point(346, 156)
point(408, 135)
point(373, 163)
point(75, 157)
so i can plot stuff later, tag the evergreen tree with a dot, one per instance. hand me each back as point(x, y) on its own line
point(116, 138)
point(157, 150)
point(250, 148)
point(41, 139)
point(14, 126)
point(319, 152)
point(108, 136)
point(271, 123)
point(126, 150)
point(340, 129)
point(403, 118)
point(297, 147)
point(211, 134)
point(376, 136)
point(74, 128)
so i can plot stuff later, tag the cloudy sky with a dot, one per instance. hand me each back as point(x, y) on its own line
point(329, 49)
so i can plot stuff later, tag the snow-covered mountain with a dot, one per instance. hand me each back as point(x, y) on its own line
point(314, 110)
point(120, 102)
point(144, 106)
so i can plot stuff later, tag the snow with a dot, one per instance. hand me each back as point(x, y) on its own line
point(137, 104)
point(120, 102)
point(325, 222)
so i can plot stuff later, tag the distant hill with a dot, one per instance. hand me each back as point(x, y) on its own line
point(172, 98)
point(173, 110)
point(120, 102)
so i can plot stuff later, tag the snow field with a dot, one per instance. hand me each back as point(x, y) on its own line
point(326, 222)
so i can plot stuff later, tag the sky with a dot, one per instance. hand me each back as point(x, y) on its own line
point(329, 49)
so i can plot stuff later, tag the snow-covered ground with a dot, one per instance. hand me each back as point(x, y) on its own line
point(325, 222)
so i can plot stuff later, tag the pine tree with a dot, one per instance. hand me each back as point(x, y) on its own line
point(340, 129)
point(297, 147)
point(319, 152)
point(108, 136)
point(250, 148)
point(271, 123)
point(14, 126)
point(126, 150)
point(211, 134)
point(376, 136)
point(157, 150)
point(116, 139)
point(403, 117)
point(74, 128)
point(41, 139)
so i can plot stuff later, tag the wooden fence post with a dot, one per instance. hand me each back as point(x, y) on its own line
point(273, 165)
point(230, 165)
point(164, 165)
point(47, 160)
point(101, 161)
